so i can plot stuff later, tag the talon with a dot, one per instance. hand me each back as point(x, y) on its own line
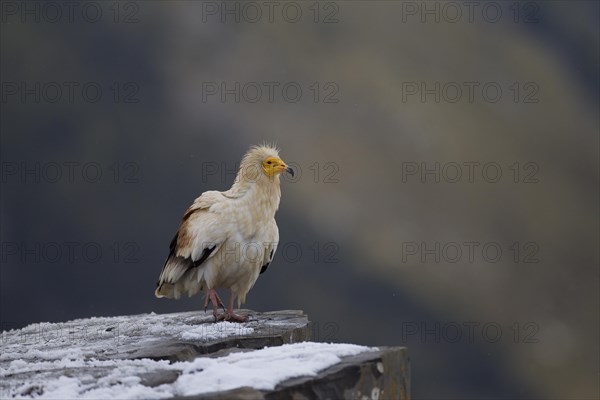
point(215, 300)
point(228, 314)
point(231, 316)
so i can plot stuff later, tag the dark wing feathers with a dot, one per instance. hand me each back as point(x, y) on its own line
point(173, 245)
point(179, 264)
point(205, 254)
point(183, 264)
point(188, 262)
point(264, 267)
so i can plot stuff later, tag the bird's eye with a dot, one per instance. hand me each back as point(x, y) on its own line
point(269, 162)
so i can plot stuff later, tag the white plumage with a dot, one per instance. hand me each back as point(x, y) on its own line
point(226, 239)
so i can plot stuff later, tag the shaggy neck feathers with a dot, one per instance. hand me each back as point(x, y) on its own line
point(253, 185)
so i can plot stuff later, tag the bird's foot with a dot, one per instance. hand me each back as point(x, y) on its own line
point(232, 317)
point(215, 300)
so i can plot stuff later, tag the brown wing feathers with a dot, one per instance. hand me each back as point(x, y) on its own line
point(178, 265)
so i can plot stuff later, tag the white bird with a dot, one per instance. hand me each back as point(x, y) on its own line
point(226, 239)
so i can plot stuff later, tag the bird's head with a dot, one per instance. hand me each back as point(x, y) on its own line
point(262, 160)
point(273, 165)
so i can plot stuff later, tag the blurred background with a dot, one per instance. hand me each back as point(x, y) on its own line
point(447, 156)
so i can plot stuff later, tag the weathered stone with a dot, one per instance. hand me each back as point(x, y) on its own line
point(270, 329)
point(383, 374)
point(152, 336)
point(143, 347)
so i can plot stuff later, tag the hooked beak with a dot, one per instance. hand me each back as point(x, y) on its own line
point(290, 171)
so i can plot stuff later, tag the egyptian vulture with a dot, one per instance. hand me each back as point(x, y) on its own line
point(226, 239)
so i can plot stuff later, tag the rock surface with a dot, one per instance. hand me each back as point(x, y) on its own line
point(382, 374)
point(157, 356)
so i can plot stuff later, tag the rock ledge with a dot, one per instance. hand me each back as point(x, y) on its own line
point(165, 356)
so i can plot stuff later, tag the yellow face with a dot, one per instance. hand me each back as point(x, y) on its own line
point(273, 165)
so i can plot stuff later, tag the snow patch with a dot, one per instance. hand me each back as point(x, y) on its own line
point(82, 359)
point(260, 369)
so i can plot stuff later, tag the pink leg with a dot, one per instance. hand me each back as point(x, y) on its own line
point(215, 300)
point(229, 314)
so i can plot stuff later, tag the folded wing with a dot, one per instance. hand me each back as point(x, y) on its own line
point(199, 237)
point(271, 237)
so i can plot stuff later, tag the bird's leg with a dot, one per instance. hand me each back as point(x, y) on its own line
point(215, 300)
point(229, 314)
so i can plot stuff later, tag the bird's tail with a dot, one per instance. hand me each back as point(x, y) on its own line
point(178, 276)
point(164, 289)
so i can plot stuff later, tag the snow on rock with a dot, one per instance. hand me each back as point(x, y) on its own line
point(100, 357)
point(105, 337)
point(260, 369)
